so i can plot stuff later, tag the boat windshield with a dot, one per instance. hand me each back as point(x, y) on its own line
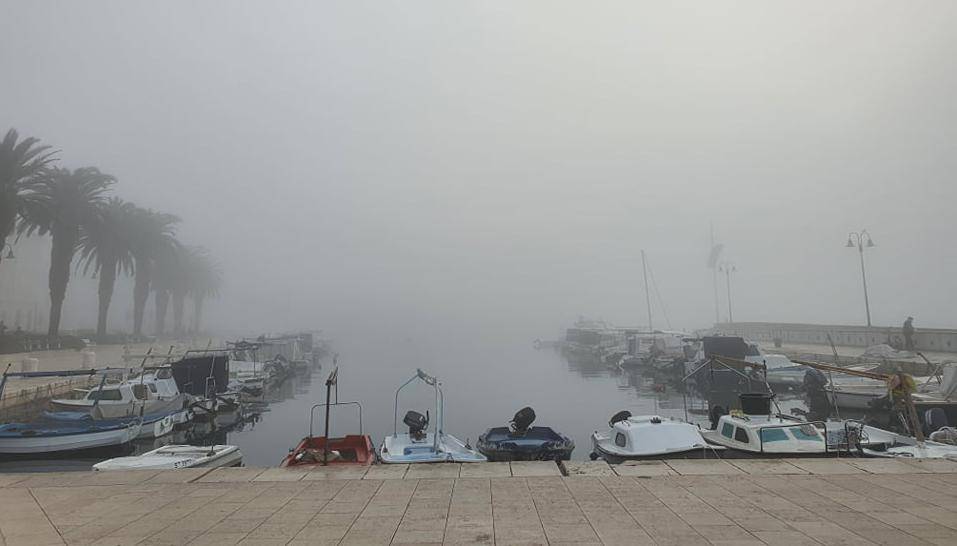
point(105, 394)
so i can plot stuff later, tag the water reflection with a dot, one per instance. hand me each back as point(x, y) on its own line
point(484, 385)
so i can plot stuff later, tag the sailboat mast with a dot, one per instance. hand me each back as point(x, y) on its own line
point(644, 269)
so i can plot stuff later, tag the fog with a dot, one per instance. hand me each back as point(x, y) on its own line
point(406, 169)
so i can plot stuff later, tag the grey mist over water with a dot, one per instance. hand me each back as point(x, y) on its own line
point(364, 167)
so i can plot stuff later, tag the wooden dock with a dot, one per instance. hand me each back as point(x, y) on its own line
point(693, 502)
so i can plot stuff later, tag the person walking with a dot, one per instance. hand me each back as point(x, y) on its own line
point(909, 334)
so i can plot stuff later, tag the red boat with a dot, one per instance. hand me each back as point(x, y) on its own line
point(352, 449)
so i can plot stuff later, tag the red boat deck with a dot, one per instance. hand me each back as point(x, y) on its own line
point(353, 449)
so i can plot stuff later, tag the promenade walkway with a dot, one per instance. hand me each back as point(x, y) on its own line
point(781, 502)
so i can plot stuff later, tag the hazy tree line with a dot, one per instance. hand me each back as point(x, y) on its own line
point(95, 233)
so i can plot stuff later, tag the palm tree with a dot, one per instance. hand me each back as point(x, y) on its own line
point(206, 277)
point(106, 248)
point(153, 235)
point(61, 205)
point(21, 163)
point(167, 277)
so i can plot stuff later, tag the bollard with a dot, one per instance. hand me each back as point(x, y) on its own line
point(29, 364)
point(89, 360)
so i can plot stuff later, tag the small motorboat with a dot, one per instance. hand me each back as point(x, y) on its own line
point(177, 456)
point(63, 436)
point(154, 425)
point(649, 437)
point(755, 430)
point(151, 392)
point(420, 446)
point(522, 442)
point(351, 449)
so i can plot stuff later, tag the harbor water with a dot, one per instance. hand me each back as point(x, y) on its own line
point(484, 385)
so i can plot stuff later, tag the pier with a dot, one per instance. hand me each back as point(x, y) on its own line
point(686, 502)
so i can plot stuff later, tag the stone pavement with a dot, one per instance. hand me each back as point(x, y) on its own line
point(793, 501)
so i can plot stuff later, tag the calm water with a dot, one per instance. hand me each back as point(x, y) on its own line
point(484, 385)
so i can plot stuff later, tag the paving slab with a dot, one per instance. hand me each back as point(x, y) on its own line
point(643, 468)
point(527, 469)
point(766, 466)
point(180, 475)
point(825, 466)
point(434, 470)
point(937, 466)
point(232, 474)
point(281, 475)
point(331, 472)
point(886, 466)
point(486, 470)
point(703, 467)
point(587, 468)
point(386, 472)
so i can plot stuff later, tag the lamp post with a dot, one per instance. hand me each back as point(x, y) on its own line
point(728, 268)
point(862, 239)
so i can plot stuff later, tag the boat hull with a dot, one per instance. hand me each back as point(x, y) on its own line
point(401, 448)
point(536, 444)
point(175, 457)
point(353, 450)
point(66, 442)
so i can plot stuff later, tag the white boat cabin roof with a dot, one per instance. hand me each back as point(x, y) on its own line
point(768, 434)
point(653, 434)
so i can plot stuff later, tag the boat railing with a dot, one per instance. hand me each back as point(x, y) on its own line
point(818, 425)
point(312, 414)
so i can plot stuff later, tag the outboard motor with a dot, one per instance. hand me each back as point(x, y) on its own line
point(623, 415)
point(815, 384)
point(417, 424)
point(756, 403)
point(522, 420)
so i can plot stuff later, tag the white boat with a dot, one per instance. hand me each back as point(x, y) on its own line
point(875, 442)
point(647, 437)
point(177, 456)
point(150, 393)
point(420, 446)
point(859, 397)
point(755, 430)
point(56, 437)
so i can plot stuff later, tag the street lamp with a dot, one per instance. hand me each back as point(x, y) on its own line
point(861, 240)
point(728, 268)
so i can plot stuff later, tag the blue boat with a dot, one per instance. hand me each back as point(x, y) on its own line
point(59, 436)
point(154, 425)
point(522, 442)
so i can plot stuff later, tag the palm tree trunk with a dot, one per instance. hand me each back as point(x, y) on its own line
point(8, 218)
point(141, 292)
point(197, 314)
point(179, 299)
point(107, 281)
point(61, 257)
point(162, 303)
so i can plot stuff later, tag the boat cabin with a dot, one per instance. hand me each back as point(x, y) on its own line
point(768, 434)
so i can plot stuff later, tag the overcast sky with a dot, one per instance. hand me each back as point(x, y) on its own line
point(493, 167)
